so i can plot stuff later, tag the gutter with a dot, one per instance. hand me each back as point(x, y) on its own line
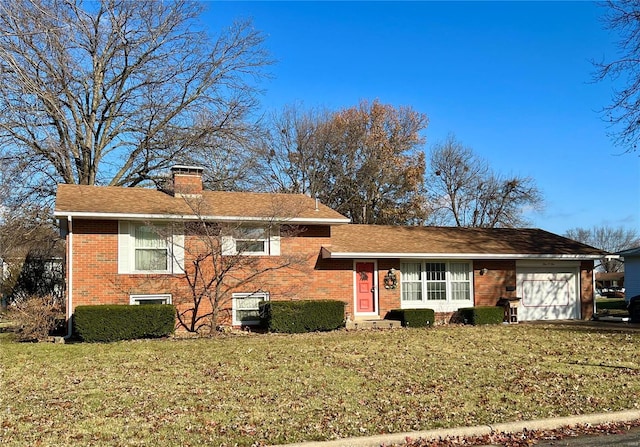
point(328, 254)
point(188, 217)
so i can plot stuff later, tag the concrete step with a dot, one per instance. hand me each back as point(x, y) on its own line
point(373, 324)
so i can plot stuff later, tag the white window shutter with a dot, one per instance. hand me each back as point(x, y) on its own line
point(177, 253)
point(274, 245)
point(124, 248)
point(228, 244)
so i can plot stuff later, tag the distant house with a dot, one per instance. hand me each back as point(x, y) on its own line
point(610, 284)
point(372, 268)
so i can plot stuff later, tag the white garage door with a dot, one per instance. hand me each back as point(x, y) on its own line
point(548, 293)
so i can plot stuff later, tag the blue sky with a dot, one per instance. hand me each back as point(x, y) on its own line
point(512, 80)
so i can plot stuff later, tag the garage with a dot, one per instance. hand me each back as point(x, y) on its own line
point(548, 291)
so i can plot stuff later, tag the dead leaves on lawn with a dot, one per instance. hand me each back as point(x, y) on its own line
point(280, 389)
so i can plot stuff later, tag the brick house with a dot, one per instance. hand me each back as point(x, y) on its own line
point(114, 258)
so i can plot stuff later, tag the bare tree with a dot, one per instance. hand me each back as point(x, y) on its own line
point(115, 91)
point(218, 259)
point(465, 192)
point(33, 252)
point(623, 113)
point(365, 162)
point(608, 239)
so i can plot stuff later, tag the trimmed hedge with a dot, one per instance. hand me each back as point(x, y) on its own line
point(482, 315)
point(412, 317)
point(611, 304)
point(107, 323)
point(293, 317)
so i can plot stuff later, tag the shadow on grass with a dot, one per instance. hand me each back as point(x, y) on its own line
point(588, 326)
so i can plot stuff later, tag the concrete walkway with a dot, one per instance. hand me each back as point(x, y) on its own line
point(481, 430)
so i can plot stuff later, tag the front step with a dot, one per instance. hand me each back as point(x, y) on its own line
point(373, 324)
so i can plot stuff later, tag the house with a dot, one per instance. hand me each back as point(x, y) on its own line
point(610, 284)
point(631, 271)
point(114, 257)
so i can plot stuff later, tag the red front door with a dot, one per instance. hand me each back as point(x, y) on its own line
point(365, 287)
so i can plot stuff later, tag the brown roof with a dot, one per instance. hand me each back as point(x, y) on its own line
point(609, 276)
point(117, 202)
point(391, 241)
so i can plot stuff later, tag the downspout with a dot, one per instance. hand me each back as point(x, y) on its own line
point(593, 290)
point(69, 277)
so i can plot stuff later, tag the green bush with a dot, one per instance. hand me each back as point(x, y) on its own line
point(611, 304)
point(109, 323)
point(292, 317)
point(412, 317)
point(482, 315)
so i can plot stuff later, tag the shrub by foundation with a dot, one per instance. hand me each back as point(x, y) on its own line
point(412, 317)
point(302, 316)
point(36, 317)
point(121, 322)
point(482, 315)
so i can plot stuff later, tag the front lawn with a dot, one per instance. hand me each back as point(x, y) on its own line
point(278, 389)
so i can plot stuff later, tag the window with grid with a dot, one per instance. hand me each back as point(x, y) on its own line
point(435, 281)
point(441, 285)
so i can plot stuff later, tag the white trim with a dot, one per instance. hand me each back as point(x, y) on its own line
point(547, 264)
point(327, 254)
point(235, 296)
point(135, 216)
point(376, 299)
point(134, 299)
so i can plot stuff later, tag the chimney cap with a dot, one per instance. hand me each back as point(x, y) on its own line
point(187, 169)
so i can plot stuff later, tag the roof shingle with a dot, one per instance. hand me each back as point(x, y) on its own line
point(115, 202)
point(442, 241)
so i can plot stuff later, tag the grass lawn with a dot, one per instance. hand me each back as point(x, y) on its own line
point(288, 388)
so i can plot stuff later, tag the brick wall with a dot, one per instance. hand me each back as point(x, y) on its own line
point(587, 294)
point(497, 281)
point(96, 279)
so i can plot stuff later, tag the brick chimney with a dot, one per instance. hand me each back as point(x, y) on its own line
point(187, 180)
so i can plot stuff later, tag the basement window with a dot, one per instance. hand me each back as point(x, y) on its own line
point(245, 307)
point(139, 300)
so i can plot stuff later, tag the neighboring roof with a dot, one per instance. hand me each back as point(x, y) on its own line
point(609, 276)
point(382, 241)
point(630, 252)
point(112, 202)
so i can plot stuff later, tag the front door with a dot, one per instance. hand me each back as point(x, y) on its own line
point(365, 287)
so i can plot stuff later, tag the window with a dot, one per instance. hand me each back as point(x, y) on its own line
point(443, 286)
point(411, 281)
point(245, 308)
point(149, 299)
point(156, 248)
point(150, 249)
point(252, 241)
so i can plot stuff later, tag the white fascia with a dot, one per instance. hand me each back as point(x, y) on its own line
point(133, 216)
point(327, 254)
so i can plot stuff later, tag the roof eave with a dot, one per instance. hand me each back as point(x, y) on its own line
point(185, 217)
point(328, 254)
